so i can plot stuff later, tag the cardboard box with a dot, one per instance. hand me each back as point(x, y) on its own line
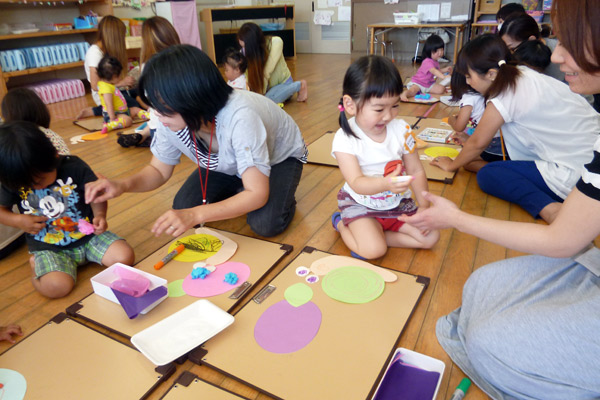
point(489, 6)
point(406, 18)
point(101, 283)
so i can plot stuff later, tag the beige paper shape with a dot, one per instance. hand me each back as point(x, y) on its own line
point(227, 250)
point(323, 265)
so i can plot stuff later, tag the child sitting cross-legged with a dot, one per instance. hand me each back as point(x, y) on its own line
point(114, 107)
point(235, 68)
point(62, 231)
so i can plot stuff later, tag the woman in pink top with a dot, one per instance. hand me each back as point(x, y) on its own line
point(424, 80)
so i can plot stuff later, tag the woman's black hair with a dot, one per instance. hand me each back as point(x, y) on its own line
point(533, 53)
point(487, 52)
point(520, 27)
point(22, 104)
point(108, 67)
point(183, 79)
point(367, 77)
point(459, 86)
point(25, 153)
point(509, 9)
point(432, 44)
point(235, 59)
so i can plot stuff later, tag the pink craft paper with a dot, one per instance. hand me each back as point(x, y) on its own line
point(213, 284)
point(130, 283)
point(283, 328)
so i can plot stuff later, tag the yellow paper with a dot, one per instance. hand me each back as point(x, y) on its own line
point(439, 151)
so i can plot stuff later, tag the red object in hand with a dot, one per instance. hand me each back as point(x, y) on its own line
point(391, 167)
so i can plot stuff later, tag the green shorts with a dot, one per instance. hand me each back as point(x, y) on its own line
point(69, 259)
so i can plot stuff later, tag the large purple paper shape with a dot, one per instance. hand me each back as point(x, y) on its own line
point(405, 382)
point(283, 328)
point(134, 305)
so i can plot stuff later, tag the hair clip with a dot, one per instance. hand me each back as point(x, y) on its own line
point(501, 62)
point(341, 107)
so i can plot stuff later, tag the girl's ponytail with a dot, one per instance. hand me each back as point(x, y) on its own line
point(344, 124)
point(506, 79)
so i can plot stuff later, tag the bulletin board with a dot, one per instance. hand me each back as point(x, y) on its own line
point(346, 357)
point(434, 173)
point(319, 151)
point(66, 360)
point(189, 386)
point(260, 255)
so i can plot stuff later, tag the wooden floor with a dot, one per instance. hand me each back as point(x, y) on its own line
point(448, 264)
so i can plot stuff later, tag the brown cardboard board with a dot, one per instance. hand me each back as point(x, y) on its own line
point(344, 360)
point(95, 124)
point(434, 173)
point(66, 360)
point(189, 386)
point(319, 151)
point(259, 254)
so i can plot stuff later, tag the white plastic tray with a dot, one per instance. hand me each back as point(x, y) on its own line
point(181, 332)
point(421, 361)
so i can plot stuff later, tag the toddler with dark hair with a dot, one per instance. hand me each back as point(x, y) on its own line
point(63, 231)
point(115, 112)
point(424, 80)
point(235, 68)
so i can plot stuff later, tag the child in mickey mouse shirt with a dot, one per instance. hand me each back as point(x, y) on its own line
point(62, 231)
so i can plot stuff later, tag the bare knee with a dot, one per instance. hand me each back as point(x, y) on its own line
point(373, 250)
point(55, 284)
point(430, 240)
point(119, 252)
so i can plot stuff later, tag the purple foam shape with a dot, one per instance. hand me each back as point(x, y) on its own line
point(134, 305)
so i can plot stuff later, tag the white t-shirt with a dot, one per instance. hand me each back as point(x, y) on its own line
point(547, 123)
point(92, 59)
point(238, 83)
point(373, 157)
point(476, 101)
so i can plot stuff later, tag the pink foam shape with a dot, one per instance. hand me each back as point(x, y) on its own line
point(213, 284)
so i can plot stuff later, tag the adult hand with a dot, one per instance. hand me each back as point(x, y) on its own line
point(441, 214)
point(397, 183)
point(6, 332)
point(128, 81)
point(102, 190)
point(459, 138)
point(32, 224)
point(443, 162)
point(174, 222)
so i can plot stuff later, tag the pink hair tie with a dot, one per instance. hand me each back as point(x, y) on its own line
point(341, 108)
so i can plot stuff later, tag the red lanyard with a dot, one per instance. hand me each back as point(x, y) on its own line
point(204, 185)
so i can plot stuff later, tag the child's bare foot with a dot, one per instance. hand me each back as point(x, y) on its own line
point(85, 113)
point(303, 93)
point(403, 97)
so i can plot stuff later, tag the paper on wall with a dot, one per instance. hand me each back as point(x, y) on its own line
point(322, 4)
point(446, 10)
point(390, 1)
point(334, 3)
point(323, 17)
point(344, 13)
point(429, 12)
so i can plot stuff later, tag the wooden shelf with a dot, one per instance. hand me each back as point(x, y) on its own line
point(47, 33)
point(30, 71)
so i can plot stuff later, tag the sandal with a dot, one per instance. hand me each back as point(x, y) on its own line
point(129, 140)
point(336, 217)
point(145, 143)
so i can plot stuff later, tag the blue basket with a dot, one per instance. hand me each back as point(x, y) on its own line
point(272, 26)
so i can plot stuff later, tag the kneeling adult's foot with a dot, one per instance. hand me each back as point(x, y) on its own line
point(303, 93)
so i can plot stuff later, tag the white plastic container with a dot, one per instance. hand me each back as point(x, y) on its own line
point(406, 18)
point(420, 361)
point(101, 284)
point(181, 332)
